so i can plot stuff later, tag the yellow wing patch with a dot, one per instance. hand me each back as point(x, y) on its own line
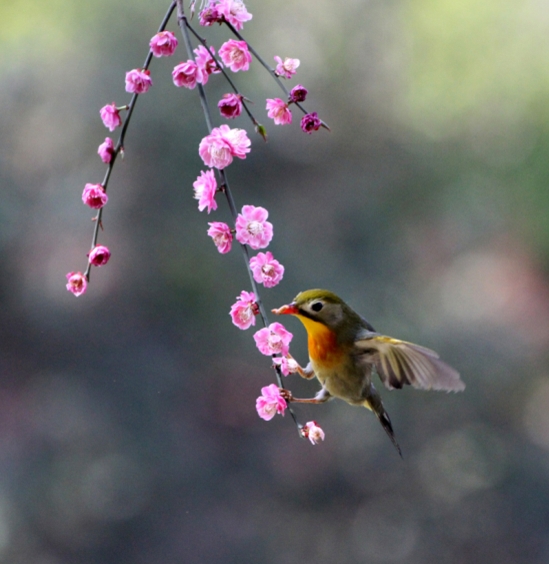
point(399, 363)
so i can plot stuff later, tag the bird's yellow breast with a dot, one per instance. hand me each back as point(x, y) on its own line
point(322, 342)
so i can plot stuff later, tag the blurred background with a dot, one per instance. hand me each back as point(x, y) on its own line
point(128, 430)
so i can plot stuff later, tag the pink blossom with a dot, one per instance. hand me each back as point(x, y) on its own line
point(138, 81)
point(287, 364)
point(244, 310)
point(187, 74)
point(215, 150)
point(238, 140)
point(286, 68)
point(278, 111)
point(163, 44)
point(266, 269)
point(310, 122)
point(76, 283)
point(218, 149)
point(234, 12)
point(252, 227)
point(205, 187)
point(106, 150)
point(274, 339)
point(221, 235)
point(230, 106)
point(298, 94)
point(110, 116)
point(312, 432)
point(270, 402)
point(235, 55)
point(94, 195)
point(209, 15)
point(99, 255)
point(205, 62)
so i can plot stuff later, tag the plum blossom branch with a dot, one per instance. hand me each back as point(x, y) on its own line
point(184, 27)
point(119, 148)
point(223, 72)
point(217, 150)
point(271, 71)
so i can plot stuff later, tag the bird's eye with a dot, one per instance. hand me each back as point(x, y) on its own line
point(317, 306)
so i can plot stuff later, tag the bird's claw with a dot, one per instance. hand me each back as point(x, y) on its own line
point(286, 394)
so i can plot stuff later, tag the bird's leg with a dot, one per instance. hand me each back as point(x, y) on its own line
point(322, 396)
point(306, 372)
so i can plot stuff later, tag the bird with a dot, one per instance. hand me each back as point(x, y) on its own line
point(345, 351)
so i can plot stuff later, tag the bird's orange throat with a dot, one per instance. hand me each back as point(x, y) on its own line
point(322, 342)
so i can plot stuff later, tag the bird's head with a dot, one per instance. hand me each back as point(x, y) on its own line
point(320, 306)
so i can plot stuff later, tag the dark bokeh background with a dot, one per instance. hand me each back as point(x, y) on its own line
point(128, 431)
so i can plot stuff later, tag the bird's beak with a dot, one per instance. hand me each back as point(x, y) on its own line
point(290, 309)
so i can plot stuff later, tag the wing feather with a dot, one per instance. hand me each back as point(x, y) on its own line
point(399, 363)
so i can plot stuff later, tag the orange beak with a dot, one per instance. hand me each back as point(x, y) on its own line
point(290, 309)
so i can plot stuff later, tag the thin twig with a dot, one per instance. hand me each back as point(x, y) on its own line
point(225, 74)
point(184, 27)
point(120, 143)
point(269, 69)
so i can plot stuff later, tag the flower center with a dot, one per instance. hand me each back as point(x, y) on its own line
point(255, 227)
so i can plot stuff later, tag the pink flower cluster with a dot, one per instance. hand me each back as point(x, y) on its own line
point(219, 147)
point(279, 111)
point(233, 12)
point(270, 402)
point(218, 150)
point(94, 195)
point(244, 310)
point(190, 73)
point(77, 283)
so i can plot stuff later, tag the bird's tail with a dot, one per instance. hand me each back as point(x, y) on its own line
point(374, 404)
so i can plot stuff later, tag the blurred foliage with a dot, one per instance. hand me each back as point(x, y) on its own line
point(127, 424)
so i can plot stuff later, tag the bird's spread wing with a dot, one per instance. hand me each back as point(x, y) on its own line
point(398, 363)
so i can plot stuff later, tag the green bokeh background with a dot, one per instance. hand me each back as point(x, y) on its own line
point(128, 431)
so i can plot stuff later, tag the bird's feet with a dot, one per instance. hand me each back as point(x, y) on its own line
point(286, 395)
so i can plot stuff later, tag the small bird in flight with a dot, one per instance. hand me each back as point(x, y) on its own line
point(344, 349)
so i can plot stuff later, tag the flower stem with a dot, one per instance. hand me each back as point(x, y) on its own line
point(184, 27)
point(120, 142)
point(269, 69)
point(223, 71)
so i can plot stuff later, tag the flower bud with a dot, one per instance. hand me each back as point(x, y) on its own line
point(76, 283)
point(99, 256)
